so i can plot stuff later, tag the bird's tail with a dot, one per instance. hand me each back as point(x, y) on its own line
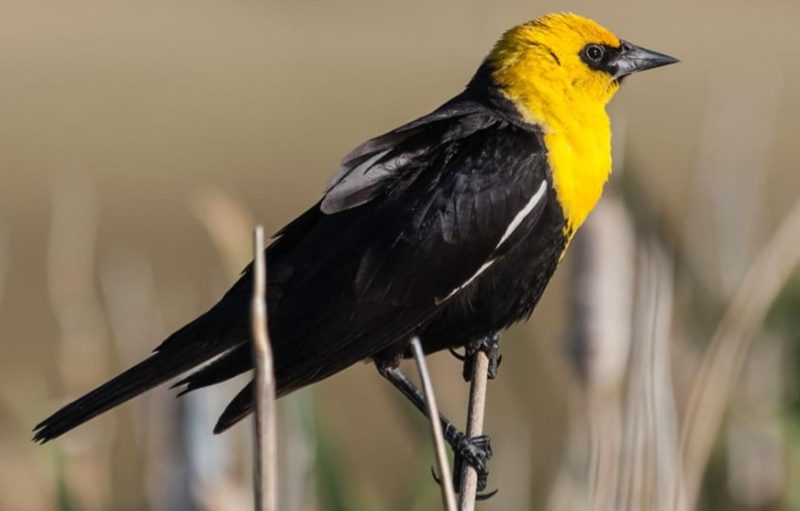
point(195, 343)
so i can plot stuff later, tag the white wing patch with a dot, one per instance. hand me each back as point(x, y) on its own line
point(515, 223)
point(523, 213)
point(475, 275)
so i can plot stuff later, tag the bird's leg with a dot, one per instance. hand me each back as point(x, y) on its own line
point(474, 451)
point(489, 345)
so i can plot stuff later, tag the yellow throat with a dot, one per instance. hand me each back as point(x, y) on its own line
point(580, 159)
point(538, 68)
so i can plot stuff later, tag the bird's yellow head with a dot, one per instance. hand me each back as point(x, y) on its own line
point(560, 64)
point(559, 72)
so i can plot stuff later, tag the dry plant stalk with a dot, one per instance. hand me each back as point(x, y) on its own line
point(477, 405)
point(81, 324)
point(266, 480)
point(732, 339)
point(602, 301)
point(229, 226)
point(621, 311)
point(650, 477)
point(448, 495)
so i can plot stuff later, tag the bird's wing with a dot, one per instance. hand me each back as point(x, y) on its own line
point(366, 168)
point(412, 218)
point(377, 257)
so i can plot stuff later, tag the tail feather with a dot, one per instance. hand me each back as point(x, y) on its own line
point(195, 343)
point(228, 365)
point(239, 408)
point(289, 376)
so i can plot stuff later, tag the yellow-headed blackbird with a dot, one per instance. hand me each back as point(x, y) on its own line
point(448, 228)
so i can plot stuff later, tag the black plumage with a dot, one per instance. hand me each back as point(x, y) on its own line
point(447, 227)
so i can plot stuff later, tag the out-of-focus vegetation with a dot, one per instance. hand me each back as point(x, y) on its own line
point(140, 141)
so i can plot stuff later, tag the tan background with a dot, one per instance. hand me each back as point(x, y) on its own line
point(122, 122)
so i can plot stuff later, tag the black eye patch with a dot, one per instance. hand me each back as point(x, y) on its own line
point(600, 57)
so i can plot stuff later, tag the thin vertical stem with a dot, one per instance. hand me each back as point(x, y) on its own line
point(448, 495)
point(265, 477)
point(477, 405)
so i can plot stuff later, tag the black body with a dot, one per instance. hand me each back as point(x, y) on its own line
point(412, 217)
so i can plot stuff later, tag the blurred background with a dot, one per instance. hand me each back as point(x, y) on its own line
point(141, 141)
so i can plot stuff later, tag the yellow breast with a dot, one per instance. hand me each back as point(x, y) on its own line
point(577, 136)
point(580, 159)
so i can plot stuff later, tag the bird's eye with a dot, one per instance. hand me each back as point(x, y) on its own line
point(594, 52)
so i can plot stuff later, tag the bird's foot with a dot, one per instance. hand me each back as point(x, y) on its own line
point(489, 345)
point(475, 452)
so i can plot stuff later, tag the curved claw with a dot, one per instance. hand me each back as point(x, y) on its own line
point(435, 477)
point(457, 355)
point(457, 476)
point(486, 496)
point(475, 452)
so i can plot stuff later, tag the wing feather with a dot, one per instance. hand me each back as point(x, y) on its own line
point(364, 170)
point(382, 253)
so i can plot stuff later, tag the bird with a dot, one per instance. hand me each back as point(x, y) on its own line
point(447, 228)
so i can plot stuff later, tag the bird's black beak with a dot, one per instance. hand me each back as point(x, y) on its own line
point(633, 59)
